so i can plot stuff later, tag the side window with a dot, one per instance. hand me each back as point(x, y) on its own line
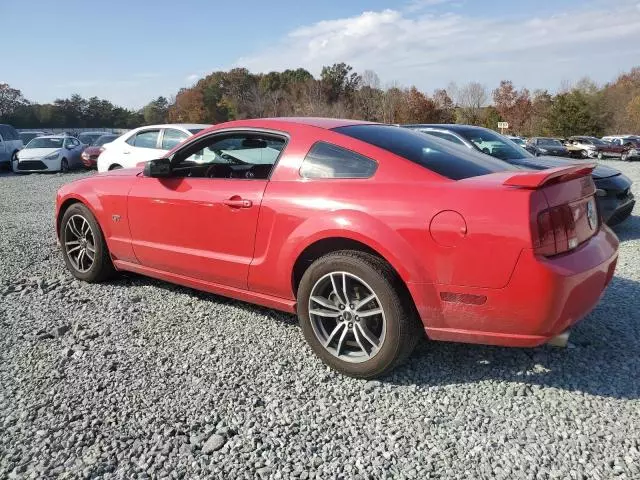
point(68, 143)
point(3, 133)
point(172, 137)
point(147, 139)
point(13, 133)
point(326, 160)
point(444, 136)
point(249, 156)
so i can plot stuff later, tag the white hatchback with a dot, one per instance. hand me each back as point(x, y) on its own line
point(144, 144)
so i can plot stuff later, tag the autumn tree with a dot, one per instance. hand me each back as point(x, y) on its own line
point(339, 81)
point(156, 111)
point(513, 106)
point(445, 106)
point(188, 107)
point(470, 100)
point(10, 99)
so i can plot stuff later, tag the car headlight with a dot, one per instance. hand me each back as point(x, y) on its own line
point(52, 156)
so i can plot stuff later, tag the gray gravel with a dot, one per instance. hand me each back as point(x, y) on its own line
point(141, 379)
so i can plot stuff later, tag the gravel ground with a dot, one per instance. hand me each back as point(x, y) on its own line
point(141, 379)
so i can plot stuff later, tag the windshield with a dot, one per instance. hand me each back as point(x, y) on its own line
point(43, 142)
point(27, 137)
point(440, 156)
point(104, 139)
point(89, 138)
point(551, 142)
point(491, 143)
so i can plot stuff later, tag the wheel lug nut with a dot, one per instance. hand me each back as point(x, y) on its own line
point(341, 307)
point(350, 325)
point(357, 318)
point(351, 305)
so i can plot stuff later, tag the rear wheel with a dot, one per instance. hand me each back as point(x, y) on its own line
point(64, 165)
point(355, 314)
point(624, 156)
point(83, 246)
point(600, 156)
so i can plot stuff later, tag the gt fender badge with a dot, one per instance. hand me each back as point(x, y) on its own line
point(115, 218)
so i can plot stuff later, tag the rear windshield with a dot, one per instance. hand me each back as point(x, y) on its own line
point(104, 139)
point(440, 156)
point(89, 138)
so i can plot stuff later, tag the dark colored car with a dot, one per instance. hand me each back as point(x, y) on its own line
point(546, 146)
point(630, 148)
point(92, 152)
point(87, 138)
point(594, 147)
point(615, 199)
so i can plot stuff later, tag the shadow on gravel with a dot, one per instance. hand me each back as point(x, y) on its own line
point(629, 229)
point(602, 358)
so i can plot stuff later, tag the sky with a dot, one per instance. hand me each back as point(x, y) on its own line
point(130, 52)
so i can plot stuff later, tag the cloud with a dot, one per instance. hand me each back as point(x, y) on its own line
point(429, 49)
point(417, 5)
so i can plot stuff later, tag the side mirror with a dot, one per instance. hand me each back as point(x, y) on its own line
point(159, 168)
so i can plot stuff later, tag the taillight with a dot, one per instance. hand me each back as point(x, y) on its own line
point(556, 231)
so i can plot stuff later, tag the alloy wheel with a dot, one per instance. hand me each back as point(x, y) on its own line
point(347, 317)
point(80, 243)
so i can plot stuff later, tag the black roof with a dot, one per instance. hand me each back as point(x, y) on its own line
point(454, 127)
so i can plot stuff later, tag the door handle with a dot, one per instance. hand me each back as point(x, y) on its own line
point(237, 202)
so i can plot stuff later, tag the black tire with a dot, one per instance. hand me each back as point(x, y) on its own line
point(115, 167)
point(102, 268)
point(64, 165)
point(624, 156)
point(600, 156)
point(403, 329)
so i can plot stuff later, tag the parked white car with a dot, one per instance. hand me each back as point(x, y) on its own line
point(144, 144)
point(51, 153)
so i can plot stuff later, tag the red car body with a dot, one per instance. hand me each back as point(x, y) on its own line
point(90, 156)
point(484, 259)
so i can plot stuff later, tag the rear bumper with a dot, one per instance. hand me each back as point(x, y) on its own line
point(544, 297)
point(616, 207)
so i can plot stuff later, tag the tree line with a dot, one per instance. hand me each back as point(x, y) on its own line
point(584, 108)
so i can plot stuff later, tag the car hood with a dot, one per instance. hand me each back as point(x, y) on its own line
point(36, 152)
point(542, 162)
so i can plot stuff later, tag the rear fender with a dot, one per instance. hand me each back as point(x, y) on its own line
point(363, 228)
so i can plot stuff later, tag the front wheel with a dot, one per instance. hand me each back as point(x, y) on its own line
point(83, 246)
point(64, 165)
point(624, 156)
point(600, 156)
point(355, 314)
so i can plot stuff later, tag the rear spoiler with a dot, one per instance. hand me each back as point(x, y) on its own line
point(537, 179)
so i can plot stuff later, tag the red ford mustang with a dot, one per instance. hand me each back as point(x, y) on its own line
point(372, 234)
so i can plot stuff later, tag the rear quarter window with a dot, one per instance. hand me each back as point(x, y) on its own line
point(326, 160)
point(440, 156)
